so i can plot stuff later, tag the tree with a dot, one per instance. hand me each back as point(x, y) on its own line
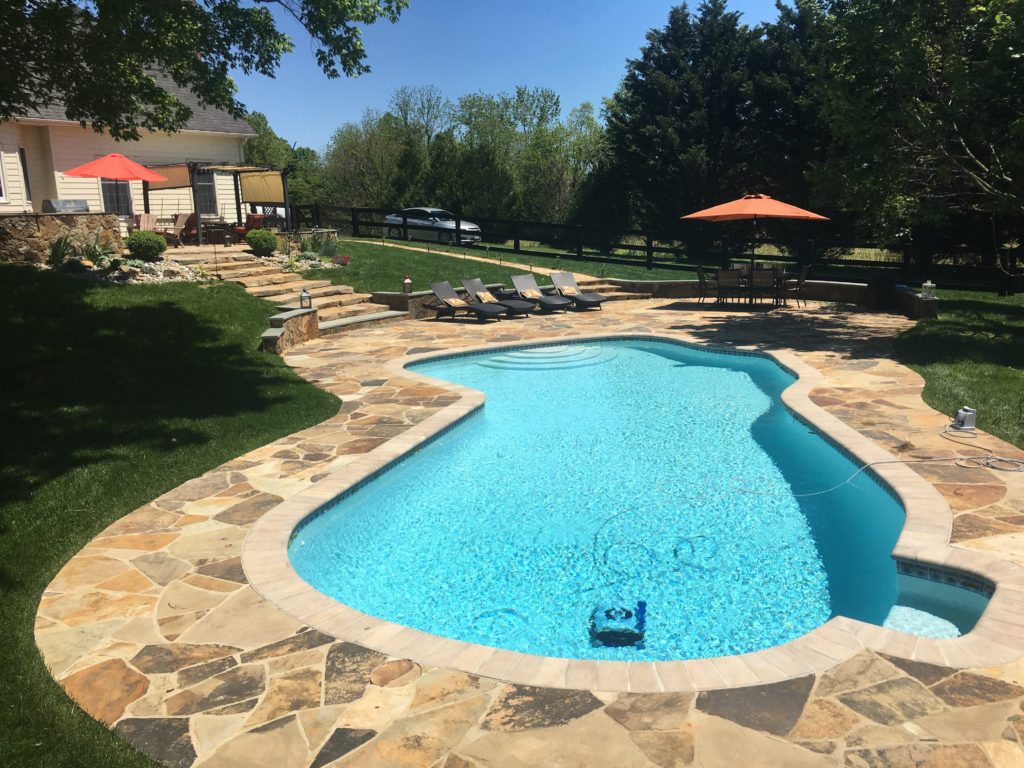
point(924, 100)
point(362, 159)
point(266, 147)
point(677, 126)
point(97, 58)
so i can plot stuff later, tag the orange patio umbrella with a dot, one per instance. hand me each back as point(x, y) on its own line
point(115, 166)
point(754, 207)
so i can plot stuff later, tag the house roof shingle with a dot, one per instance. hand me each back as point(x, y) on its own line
point(203, 119)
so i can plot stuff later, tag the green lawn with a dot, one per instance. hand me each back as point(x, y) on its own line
point(973, 354)
point(376, 267)
point(113, 395)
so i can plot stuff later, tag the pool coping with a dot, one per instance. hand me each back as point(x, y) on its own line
point(998, 637)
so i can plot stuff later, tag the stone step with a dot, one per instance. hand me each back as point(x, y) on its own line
point(267, 279)
point(339, 312)
point(245, 270)
point(326, 296)
point(287, 288)
point(357, 322)
point(183, 256)
point(238, 265)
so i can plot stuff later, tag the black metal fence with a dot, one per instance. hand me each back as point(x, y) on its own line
point(969, 266)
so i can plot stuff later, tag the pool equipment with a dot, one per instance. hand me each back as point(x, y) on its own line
point(618, 627)
point(964, 419)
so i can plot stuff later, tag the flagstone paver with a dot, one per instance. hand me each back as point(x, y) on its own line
point(154, 630)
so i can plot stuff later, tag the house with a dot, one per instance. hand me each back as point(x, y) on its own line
point(35, 149)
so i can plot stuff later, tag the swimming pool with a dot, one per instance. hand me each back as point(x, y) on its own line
point(611, 474)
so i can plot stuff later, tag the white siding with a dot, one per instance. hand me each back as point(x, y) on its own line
point(13, 199)
point(72, 146)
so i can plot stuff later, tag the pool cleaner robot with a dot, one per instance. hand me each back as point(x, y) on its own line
point(618, 627)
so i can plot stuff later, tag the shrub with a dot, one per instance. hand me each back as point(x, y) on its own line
point(262, 242)
point(309, 256)
point(61, 249)
point(146, 246)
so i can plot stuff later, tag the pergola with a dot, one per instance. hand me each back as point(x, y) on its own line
point(256, 184)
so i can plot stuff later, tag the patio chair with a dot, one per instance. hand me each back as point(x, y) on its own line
point(252, 221)
point(762, 285)
point(144, 222)
point(527, 288)
point(477, 290)
point(702, 285)
point(451, 303)
point(730, 286)
point(565, 284)
point(796, 290)
point(173, 234)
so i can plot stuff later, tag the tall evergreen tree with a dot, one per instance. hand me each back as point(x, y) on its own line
point(677, 123)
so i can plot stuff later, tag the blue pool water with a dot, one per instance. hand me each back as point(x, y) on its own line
point(601, 475)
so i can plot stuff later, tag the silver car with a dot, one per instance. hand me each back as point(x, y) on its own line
point(435, 224)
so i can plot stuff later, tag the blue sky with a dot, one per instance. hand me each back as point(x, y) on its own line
point(578, 48)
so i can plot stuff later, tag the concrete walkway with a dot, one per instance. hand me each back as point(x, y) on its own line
point(154, 630)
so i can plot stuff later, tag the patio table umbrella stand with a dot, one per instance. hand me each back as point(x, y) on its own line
point(753, 207)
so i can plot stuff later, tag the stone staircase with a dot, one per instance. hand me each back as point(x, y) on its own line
point(612, 291)
point(339, 307)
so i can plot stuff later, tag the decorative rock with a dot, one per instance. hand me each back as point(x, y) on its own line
point(395, 673)
point(104, 690)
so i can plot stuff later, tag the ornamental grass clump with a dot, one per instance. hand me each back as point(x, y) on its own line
point(262, 242)
point(146, 246)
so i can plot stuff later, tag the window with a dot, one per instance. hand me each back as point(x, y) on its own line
point(117, 197)
point(206, 194)
point(24, 173)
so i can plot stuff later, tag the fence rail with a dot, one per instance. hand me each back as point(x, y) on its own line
point(682, 251)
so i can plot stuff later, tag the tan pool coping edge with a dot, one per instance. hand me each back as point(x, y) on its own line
point(997, 638)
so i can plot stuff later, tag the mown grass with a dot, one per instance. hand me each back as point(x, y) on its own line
point(376, 267)
point(973, 354)
point(112, 396)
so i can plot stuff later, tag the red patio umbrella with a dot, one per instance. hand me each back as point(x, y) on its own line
point(115, 166)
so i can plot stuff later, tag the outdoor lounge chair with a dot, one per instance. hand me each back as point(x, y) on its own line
point(173, 234)
point(527, 288)
point(451, 303)
point(475, 288)
point(565, 284)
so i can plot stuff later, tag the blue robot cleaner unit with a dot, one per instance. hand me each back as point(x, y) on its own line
point(618, 627)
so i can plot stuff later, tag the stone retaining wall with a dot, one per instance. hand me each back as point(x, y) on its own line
point(26, 237)
point(289, 328)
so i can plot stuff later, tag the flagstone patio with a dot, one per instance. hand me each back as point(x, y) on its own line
point(154, 629)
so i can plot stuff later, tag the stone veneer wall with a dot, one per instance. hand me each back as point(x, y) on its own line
point(26, 237)
point(289, 328)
